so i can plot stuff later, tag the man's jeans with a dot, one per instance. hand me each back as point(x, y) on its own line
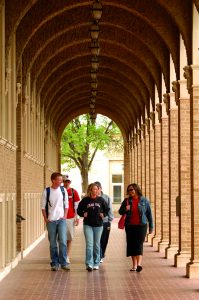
point(57, 239)
point(92, 236)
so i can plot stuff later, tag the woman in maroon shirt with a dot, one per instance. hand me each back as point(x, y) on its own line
point(138, 213)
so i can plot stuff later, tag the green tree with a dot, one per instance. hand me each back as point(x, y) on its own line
point(82, 139)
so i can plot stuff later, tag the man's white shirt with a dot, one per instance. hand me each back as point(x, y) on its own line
point(56, 207)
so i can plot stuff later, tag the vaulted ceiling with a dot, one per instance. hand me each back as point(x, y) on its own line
point(136, 40)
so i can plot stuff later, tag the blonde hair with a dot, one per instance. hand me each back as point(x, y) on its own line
point(90, 188)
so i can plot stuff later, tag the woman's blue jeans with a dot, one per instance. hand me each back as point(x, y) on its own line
point(57, 240)
point(92, 237)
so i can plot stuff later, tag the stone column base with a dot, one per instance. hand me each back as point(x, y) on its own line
point(162, 245)
point(181, 259)
point(192, 270)
point(155, 241)
point(171, 251)
point(149, 238)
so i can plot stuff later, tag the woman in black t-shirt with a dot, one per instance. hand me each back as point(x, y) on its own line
point(93, 208)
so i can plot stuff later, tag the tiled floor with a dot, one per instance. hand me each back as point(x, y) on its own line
point(32, 278)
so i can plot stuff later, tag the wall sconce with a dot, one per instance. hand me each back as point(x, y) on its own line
point(92, 105)
point(93, 100)
point(94, 30)
point(93, 84)
point(97, 10)
point(93, 92)
point(94, 62)
point(93, 74)
point(95, 48)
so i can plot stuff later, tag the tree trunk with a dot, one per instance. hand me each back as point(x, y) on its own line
point(84, 174)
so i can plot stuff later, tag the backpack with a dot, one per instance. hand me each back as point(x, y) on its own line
point(48, 198)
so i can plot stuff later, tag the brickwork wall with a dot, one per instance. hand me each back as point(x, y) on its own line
point(8, 170)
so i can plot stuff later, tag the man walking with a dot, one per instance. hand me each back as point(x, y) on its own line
point(106, 221)
point(54, 205)
point(72, 217)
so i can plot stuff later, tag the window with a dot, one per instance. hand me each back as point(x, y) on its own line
point(117, 191)
point(116, 178)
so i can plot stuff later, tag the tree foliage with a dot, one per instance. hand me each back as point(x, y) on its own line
point(81, 140)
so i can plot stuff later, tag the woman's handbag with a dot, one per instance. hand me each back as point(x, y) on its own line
point(121, 223)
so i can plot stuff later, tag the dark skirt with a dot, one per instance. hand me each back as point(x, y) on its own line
point(135, 237)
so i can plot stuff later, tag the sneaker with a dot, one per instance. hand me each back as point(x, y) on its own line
point(89, 268)
point(96, 268)
point(68, 260)
point(54, 268)
point(66, 268)
point(101, 261)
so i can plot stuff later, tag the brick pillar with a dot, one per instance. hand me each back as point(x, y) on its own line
point(130, 159)
point(158, 178)
point(192, 269)
point(172, 248)
point(165, 176)
point(151, 127)
point(147, 158)
point(139, 164)
point(143, 166)
point(19, 155)
point(133, 158)
point(136, 158)
point(126, 166)
point(184, 252)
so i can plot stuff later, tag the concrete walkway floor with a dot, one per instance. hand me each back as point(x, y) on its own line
point(32, 278)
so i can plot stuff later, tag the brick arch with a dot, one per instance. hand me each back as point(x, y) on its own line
point(137, 35)
point(80, 97)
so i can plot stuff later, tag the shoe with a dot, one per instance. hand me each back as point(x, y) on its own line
point(96, 268)
point(89, 268)
point(54, 268)
point(66, 268)
point(139, 269)
point(101, 261)
point(68, 260)
point(133, 269)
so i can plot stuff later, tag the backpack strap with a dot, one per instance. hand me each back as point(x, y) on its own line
point(47, 200)
point(63, 192)
point(73, 194)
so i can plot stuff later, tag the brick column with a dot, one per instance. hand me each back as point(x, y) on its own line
point(130, 158)
point(192, 269)
point(184, 252)
point(126, 166)
point(139, 164)
point(172, 248)
point(158, 177)
point(19, 155)
point(133, 158)
point(136, 157)
point(152, 167)
point(147, 155)
point(143, 160)
point(165, 176)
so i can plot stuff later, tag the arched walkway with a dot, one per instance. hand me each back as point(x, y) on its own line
point(32, 278)
point(145, 78)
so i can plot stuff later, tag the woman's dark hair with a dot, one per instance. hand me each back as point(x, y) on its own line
point(135, 187)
